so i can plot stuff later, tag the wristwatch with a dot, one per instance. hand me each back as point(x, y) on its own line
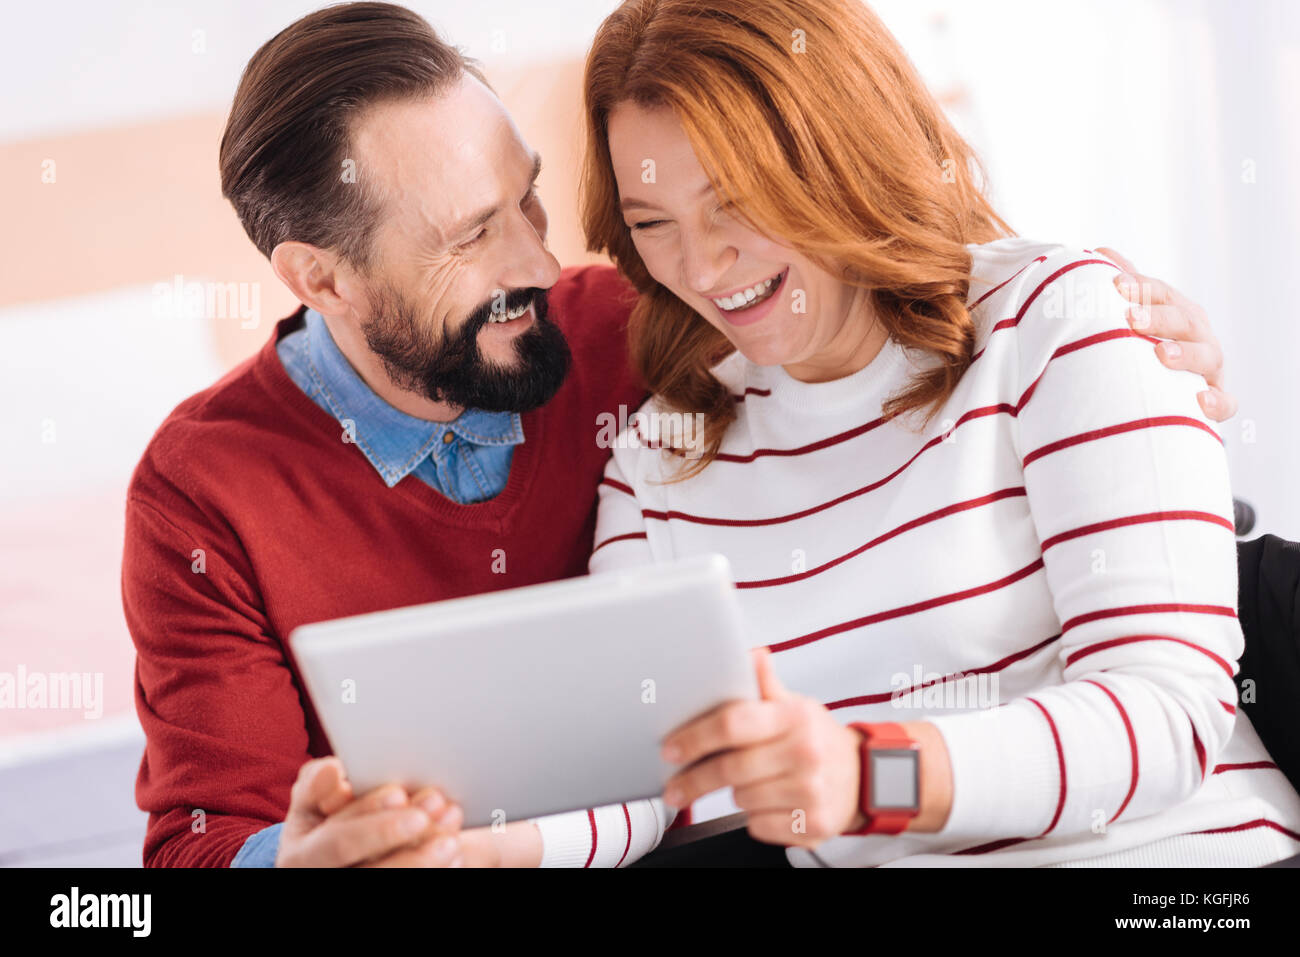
point(890, 782)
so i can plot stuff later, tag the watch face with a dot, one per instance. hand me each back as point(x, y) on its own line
point(895, 780)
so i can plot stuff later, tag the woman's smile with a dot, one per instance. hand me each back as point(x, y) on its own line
point(748, 304)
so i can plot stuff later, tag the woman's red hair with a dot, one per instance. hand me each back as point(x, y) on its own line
point(809, 117)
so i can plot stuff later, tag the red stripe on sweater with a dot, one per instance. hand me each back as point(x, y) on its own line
point(830, 440)
point(591, 817)
point(618, 538)
point(1086, 650)
point(1246, 766)
point(883, 696)
point(880, 539)
point(1174, 516)
point(876, 423)
point(673, 515)
point(1132, 746)
point(1065, 350)
point(614, 483)
point(750, 390)
point(1250, 826)
point(1024, 307)
point(1146, 610)
point(1060, 763)
point(992, 846)
point(1040, 259)
point(627, 816)
point(912, 609)
point(1137, 425)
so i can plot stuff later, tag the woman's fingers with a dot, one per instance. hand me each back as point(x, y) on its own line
point(734, 725)
point(736, 768)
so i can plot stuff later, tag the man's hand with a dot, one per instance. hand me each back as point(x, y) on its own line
point(326, 826)
point(1161, 310)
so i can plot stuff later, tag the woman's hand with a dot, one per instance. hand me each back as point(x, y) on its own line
point(792, 766)
point(1162, 311)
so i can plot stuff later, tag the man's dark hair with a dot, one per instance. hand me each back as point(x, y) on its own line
point(288, 135)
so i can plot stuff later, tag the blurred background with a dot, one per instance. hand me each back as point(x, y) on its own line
point(1164, 128)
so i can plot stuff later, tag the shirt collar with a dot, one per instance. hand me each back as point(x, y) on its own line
point(394, 442)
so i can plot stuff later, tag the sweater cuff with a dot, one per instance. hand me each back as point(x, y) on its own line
point(1006, 775)
point(566, 839)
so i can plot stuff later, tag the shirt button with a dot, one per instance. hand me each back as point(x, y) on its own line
point(447, 438)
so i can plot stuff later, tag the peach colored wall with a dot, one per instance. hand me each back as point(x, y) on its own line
point(139, 204)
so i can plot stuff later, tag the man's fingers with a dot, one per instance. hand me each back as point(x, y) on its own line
point(1152, 292)
point(320, 788)
point(1166, 322)
point(386, 797)
point(1218, 404)
point(441, 851)
point(344, 842)
point(1117, 259)
point(1203, 358)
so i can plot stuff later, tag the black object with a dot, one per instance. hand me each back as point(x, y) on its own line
point(1243, 518)
point(1268, 683)
point(730, 849)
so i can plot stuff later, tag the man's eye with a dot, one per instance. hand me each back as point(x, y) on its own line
point(649, 224)
point(470, 243)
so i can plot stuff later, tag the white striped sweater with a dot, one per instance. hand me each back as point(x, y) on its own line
point(1046, 571)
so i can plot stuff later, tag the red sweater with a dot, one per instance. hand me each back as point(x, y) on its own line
point(248, 516)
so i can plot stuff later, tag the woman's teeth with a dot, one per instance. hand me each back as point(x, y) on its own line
point(507, 316)
point(751, 296)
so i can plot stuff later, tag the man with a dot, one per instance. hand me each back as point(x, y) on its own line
point(424, 427)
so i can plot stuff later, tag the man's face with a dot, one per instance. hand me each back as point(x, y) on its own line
point(459, 269)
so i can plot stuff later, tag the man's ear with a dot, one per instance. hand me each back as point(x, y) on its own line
point(315, 276)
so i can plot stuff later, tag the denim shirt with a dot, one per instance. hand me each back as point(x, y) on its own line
point(467, 460)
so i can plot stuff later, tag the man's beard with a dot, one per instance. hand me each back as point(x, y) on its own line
point(452, 369)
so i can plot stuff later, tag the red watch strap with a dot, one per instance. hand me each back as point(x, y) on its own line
point(880, 735)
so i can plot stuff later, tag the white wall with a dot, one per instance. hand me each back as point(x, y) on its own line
point(78, 63)
point(1121, 122)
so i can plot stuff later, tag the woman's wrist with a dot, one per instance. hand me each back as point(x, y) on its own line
point(936, 780)
point(936, 777)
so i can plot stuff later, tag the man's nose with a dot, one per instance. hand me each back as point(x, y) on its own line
point(531, 263)
point(705, 259)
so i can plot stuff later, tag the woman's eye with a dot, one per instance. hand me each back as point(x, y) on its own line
point(478, 237)
point(649, 224)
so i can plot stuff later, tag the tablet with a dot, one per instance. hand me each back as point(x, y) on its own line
point(533, 700)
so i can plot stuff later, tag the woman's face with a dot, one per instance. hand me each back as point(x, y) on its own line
point(772, 303)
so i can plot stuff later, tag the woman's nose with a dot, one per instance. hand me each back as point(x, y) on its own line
point(705, 260)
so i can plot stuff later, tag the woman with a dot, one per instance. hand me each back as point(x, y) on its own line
point(963, 502)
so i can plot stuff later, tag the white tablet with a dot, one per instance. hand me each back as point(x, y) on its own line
point(532, 700)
